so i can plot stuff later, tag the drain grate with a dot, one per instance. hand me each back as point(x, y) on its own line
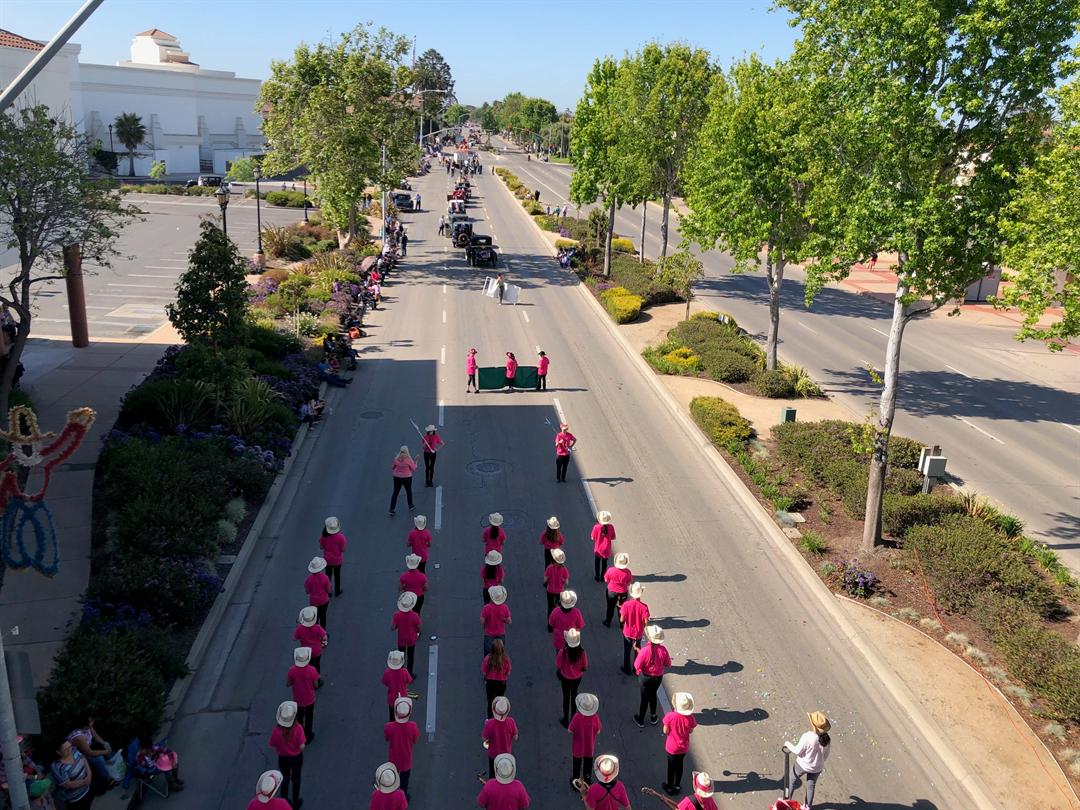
point(371, 415)
point(489, 466)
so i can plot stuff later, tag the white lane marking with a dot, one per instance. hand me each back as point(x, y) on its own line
point(91, 320)
point(444, 286)
point(559, 410)
point(432, 683)
point(525, 315)
point(444, 316)
point(132, 297)
point(1072, 428)
point(958, 371)
point(438, 508)
point(442, 413)
point(588, 496)
point(983, 432)
point(807, 328)
point(144, 286)
point(442, 356)
point(148, 275)
point(883, 334)
point(663, 700)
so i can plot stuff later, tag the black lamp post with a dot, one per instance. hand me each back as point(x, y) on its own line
point(259, 257)
point(305, 199)
point(223, 201)
point(110, 139)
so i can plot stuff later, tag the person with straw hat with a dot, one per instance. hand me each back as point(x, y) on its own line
point(495, 616)
point(317, 587)
point(495, 668)
point(679, 723)
point(564, 444)
point(413, 580)
point(499, 732)
point(403, 467)
point(493, 535)
point(633, 615)
point(302, 679)
point(543, 362)
point(702, 798)
point(388, 794)
point(607, 792)
point(555, 578)
point(288, 740)
point(551, 538)
point(266, 790)
point(565, 616)
point(617, 581)
point(407, 623)
point(570, 665)
point(396, 679)
point(650, 665)
point(491, 573)
point(471, 367)
point(603, 536)
point(419, 541)
point(810, 752)
point(333, 542)
point(505, 791)
point(308, 633)
point(401, 735)
point(432, 441)
point(584, 728)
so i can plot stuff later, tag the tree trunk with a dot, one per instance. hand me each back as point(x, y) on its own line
point(664, 225)
point(774, 272)
point(131, 162)
point(886, 412)
point(607, 240)
point(644, 211)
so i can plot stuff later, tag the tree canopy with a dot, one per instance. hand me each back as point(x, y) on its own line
point(433, 73)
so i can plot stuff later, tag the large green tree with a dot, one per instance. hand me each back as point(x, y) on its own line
point(923, 113)
point(131, 132)
point(746, 177)
point(433, 73)
point(342, 110)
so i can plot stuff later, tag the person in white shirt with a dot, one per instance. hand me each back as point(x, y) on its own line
point(810, 752)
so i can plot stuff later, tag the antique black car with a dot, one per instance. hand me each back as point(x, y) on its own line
point(480, 251)
point(461, 234)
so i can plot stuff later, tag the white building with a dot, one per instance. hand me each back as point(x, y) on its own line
point(196, 119)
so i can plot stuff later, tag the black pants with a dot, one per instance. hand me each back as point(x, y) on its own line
point(493, 689)
point(305, 716)
point(509, 380)
point(320, 613)
point(569, 696)
point(334, 572)
point(552, 600)
point(491, 767)
point(674, 770)
point(599, 567)
point(614, 600)
point(422, 567)
point(410, 657)
point(316, 662)
point(290, 768)
point(541, 382)
point(398, 484)
point(650, 685)
point(628, 653)
point(429, 467)
point(83, 803)
point(582, 768)
point(404, 775)
point(419, 603)
point(471, 381)
point(561, 463)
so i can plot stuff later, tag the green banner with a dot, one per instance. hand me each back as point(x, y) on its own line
point(492, 378)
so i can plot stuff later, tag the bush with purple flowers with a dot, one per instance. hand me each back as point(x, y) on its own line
point(854, 580)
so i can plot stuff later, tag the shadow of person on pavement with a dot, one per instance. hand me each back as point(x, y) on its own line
point(749, 782)
point(692, 667)
point(857, 803)
point(680, 623)
point(730, 717)
point(611, 481)
point(661, 578)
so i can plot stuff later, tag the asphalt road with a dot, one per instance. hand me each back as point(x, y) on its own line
point(755, 652)
point(1006, 414)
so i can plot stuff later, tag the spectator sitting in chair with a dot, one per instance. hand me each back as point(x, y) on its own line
point(327, 375)
point(89, 743)
point(154, 758)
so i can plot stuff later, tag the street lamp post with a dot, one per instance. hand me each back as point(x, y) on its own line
point(259, 256)
point(421, 94)
point(110, 139)
point(223, 201)
point(305, 201)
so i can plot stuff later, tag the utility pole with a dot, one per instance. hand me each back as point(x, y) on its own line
point(382, 196)
point(9, 736)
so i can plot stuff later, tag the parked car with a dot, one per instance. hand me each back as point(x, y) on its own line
point(480, 250)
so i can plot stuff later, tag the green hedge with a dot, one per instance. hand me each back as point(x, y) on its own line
point(621, 304)
point(622, 245)
point(287, 199)
point(901, 512)
point(776, 384)
point(720, 420)
point(638, 278)
point(725, 365)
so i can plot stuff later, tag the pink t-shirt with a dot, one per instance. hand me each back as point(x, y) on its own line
point(571, 670)
point(403, 467)
point(407, 624)
point(303, 680)
point(317, 587)
point(276, 803)
point(652, 660)
point(470, 363)
point(313, 637)
point(397, 683)
point(583, 733)
point(556, 576)
point(333, 548)
point(511, 367)
point(562, 442)
point(386, 801)
point(561, 620)
point(432, 442)
point(618, 579)
point(495, 618)
point(499, 674)
point(598, 797)
point(495, 544)
point(542, 365)
point(690, 803)
point(679, 727)
point(420, 541)
point(496, 796)
point(401, 737)
point(500, 736)
point(634, 615)
point(497, 580)
point(415, 581)
point(546, 543)
point(287, 741)
point(601, 540)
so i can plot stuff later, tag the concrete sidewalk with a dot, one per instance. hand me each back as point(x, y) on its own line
point(36, 612)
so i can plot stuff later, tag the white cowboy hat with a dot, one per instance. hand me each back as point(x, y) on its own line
point(606, 768)
point(703, 786)
point(332, 525)
point(402, 709)
point(286, 713)
point(267, 786)
point(316, 565)
point(395, 659)
point(308, 615)
point(407, 601)
point(403, 449)
point(603, 517)
point(622, 560)
point(493, 557)
point(654, 633)
point(497, 594)
point(505, 768)
point(636, 590)
point(495, 519)
point(412, 561)
point(683, 703)
point(429, 429)
point(558, 556)
point(301, 656)
point(572, 637)
point(420, 522)
point(553, 522)
point(587, 704)
point(500, 706)
point(567, 599)
point(563, 425)
point(386, 778)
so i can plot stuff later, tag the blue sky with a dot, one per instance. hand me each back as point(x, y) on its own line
point(493, 46)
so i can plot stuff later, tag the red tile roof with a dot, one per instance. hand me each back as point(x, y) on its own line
point(155, 32)
point(11, 40)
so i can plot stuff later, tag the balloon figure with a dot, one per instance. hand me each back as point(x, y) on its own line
point(27, 533)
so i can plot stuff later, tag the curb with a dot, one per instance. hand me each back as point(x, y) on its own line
point(898, 690)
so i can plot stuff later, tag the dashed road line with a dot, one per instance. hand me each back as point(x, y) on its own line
point(525, 315)
point(1072, 428)
point(807, 328)
point(143, 286)
point(442, 356)
point(559, 410)
point(983, 432)
point(588, 496)
point(148, 275)
point(958, 371)
point(432, 684)
point(438, 508)
point(883, 334)
point(444, 316)
point(442, 412)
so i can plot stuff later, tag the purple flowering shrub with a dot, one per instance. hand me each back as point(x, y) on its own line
point(854, 580)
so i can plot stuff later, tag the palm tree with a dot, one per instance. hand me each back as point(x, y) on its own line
point(131, 132)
